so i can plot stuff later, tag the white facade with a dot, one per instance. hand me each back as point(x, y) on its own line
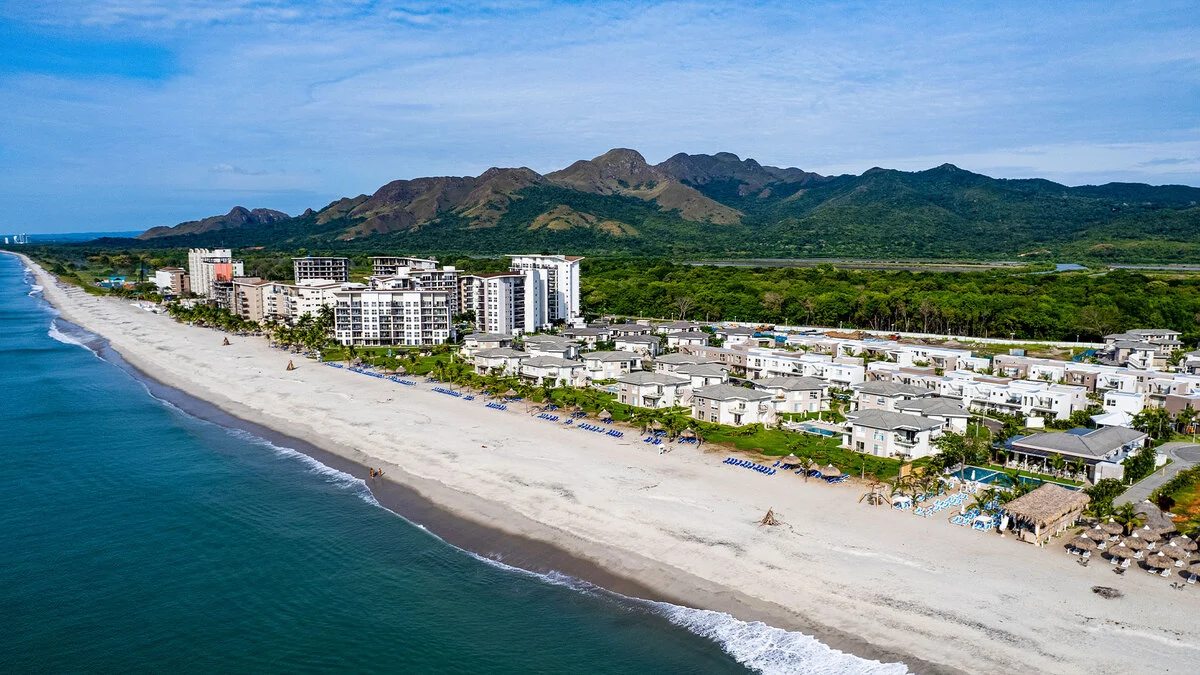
point(498, 301)
point(654, 390)
point(611, 365)
point(208, 266)
point(551, 288)
point(500, 360)
point(552, 370)
point(385, 318)
point(647, 346)
point(732, 406)
point(887, 434)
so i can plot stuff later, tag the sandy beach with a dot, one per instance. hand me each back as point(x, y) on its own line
point(881, 584)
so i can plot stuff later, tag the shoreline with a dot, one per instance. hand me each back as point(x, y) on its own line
point(878, 585)
point(406, 499)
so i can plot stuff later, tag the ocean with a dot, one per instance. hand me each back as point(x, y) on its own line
point(137, 537)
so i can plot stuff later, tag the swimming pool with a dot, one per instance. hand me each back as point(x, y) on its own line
point(814, 429)
point(991, 476)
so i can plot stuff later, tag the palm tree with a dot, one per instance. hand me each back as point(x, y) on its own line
point(1058, 462)
point(1127, 515)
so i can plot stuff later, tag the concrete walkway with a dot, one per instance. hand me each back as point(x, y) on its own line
point(1184, 456)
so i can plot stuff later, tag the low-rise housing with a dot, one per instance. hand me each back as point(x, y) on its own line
point(687, 338)
point(553, 370)
point(883, 433)
point(611, 365)
point(654, 390)
point(498, 361)
point(646, 345)
point(796, 394)
point(1101, 450)
point(951, 415)
point(733, 406)
point(885, 395)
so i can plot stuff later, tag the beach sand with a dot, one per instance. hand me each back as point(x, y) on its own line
point(881, 584)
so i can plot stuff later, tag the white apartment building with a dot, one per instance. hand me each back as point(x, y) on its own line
point(687, 338)
point(551, 288)
point(733, 406)
point(654, 390)
point(173, 280)
point(329, 269)
point(392, 317)
point(553, 370)
point(208, 266)
point(611, 365)
point(389, 265)
point(796, 394)
point(704, 374)
point(498, 301)
point(499, 360)
point(410, 279)
point(646, 345)
point(885, 395)
point(477, 342)
point(890, 434)
point(551, 345)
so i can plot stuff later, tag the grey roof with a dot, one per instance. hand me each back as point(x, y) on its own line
point(703, 369)
point(1095, 444)
point(936, 405)
point(1154, 331)
point(586, 332)
point(488, 337)
point(550, 362)
point(891, 421)
point(555, 340)
point(629, 327)
point(728, 392)
point(501, 352)
point(1130, 344)
point(611, 356)
point(642, 378)
point(644, 339)
point(688, 335)
point(676, 325)
point(881, 388)
point(685, 359)
point(737, 330)
point(791, 383)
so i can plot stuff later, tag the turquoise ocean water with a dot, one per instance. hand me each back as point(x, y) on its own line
point(137, 538)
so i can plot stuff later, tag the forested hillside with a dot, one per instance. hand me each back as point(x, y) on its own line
point(698, 206)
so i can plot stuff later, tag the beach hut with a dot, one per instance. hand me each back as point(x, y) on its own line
point(605, 416)
point(1046, 511)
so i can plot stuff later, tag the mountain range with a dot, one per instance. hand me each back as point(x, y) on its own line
point(722, 205)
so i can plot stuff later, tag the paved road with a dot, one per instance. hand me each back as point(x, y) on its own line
point(1185, 455)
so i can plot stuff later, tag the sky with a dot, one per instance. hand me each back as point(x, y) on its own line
point(125, 114)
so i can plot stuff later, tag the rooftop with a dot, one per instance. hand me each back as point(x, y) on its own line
point(1094, 444)
point(1047, 503)
point(791, 383)
point(881, 388)
point(891, 421)
point(936, 405)
point(644, 378)
point(728, 392)
point(611, 356)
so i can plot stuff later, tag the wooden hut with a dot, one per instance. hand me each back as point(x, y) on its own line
point(1045, 512)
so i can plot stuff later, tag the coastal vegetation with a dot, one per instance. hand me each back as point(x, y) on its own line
point(993, 303)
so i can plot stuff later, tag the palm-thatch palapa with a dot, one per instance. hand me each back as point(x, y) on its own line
point(605, 415)
point(1047, 510)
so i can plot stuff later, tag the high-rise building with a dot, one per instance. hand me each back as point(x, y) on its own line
point(422, 279)
point(497, 300)
point(173, 280)
point(206, 267)
point(321, 269)
point(373, 318)
point(551, 288)
point(387, 265)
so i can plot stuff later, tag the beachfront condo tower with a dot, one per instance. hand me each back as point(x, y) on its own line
point(336, 270)
point(383, 318)
point(551, 289)
point(205, 267)
point(389, 265)
point(497, 300)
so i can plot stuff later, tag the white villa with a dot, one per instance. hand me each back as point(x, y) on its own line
point(733, 406)
point(654, 390)
point(796, 394)
point(886, 434)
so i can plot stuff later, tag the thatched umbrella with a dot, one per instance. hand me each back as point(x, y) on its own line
point(1123, 552)
point(656, 425)
point(831, 471)
point(605, 415)
point(688, 433)
point(511, 393)
point(1159, 561)
point(790, 460)
point(1096, 534)
point(1112, 527)
point(1175, 553)
point(813, 466)
point(1082, 543)
point(400, 370)
point(1151, 532)
point(1195, 567)
point(577, 408)
point(1134, 543)
point(1183, 543)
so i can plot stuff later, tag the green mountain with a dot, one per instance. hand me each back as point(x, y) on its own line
point(720, 205)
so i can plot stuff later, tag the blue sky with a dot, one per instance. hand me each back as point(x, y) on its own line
point(124, 114)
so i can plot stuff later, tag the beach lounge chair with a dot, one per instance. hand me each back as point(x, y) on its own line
point(1166, 573)
point(1125, 564)
point(1191, 578)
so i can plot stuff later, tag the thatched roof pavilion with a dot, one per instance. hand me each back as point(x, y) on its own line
point(1046, 511)
point(605, 415)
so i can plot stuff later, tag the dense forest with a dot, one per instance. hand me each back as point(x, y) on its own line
point(998, 303)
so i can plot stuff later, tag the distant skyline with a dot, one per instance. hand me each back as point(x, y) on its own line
point(126, 114)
